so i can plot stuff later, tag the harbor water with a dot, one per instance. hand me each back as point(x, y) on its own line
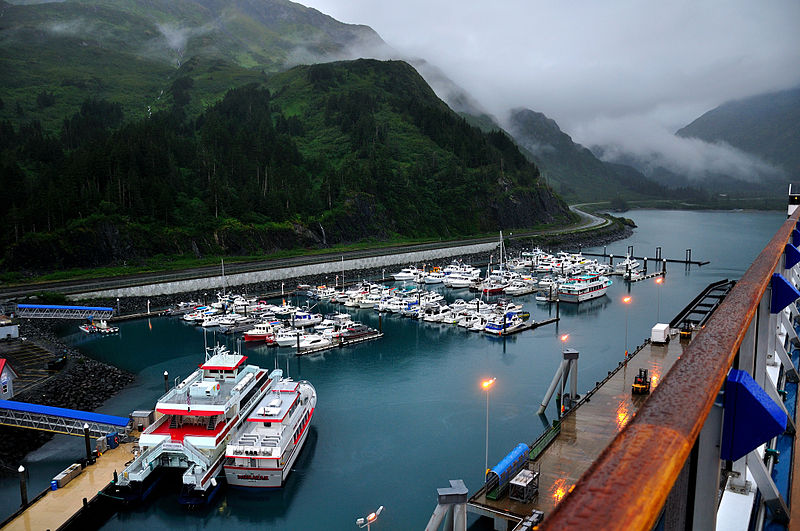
point(398, 417)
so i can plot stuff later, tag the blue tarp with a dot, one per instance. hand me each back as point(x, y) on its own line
point(85, 416)
point(56, 307)
point(510, 464)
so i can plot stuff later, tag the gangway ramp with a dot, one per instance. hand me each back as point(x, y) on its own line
point(51, 311)
point(697, 312)
point(59, 420)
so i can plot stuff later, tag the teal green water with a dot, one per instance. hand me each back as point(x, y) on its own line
point(399, 417)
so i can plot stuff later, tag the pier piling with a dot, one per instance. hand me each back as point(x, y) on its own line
point(166, 381)
point(88, 442)
point(23, 486)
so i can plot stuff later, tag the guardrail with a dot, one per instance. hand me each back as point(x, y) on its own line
point(69, 287)
point(671, 449)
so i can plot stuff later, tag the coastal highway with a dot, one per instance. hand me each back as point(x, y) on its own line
point(67, 287)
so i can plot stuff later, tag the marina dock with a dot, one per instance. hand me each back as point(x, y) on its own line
point(567, 449)
point(56, 507)
point(340, 344)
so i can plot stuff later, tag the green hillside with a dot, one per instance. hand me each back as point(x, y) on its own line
point(313, 156)
point(764, 125)
point(54, 55)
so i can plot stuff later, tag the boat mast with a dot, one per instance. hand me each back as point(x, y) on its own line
point(223, 276)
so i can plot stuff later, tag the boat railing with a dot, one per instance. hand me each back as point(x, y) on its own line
point(141, 466)
point(195, 454)
point(666, 463)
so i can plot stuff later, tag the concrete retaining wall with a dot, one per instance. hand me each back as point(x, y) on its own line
point(325, 268)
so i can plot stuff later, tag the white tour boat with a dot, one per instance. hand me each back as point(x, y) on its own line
point(198, 418)
point(262, 453)
point(583, 288)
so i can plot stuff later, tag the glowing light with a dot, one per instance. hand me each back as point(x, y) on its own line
point(486, 384)
point(659, 280)
point(564, 337)
point(623, 415)
point(627, 299)
point(560, 489)
point(655, 376)
point(372, 517)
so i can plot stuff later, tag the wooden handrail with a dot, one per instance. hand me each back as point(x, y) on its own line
point(627, 486)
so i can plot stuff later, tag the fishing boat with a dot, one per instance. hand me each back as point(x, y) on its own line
point(583, 288)
point(199, 417)
point(508, 323)
point(263, 331)
point(262, 452)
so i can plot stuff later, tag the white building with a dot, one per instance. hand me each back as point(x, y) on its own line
point(7, 376)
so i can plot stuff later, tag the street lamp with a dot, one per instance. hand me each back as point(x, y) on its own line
point(369, 519)
point(627, 300)
point(486, 385)
point(659, 281)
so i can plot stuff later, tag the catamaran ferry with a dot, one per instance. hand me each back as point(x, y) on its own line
point(198, 418)
point(583, 288)
point(261, 454)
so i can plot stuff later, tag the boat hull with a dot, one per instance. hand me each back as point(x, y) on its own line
point(264, 477)
point(581, 297)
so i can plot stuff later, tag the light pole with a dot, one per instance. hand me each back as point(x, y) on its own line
point(627, 300)
point(369, 519)
point(486, 385)
point(659, 281)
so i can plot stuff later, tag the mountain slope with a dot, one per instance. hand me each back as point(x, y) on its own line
point(53, 55)
point(331, 153)
point(764, 125)
point(573, 170)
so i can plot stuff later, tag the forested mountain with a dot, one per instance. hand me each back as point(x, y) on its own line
point(312, 156)
point(764, 125)
point(573, 170)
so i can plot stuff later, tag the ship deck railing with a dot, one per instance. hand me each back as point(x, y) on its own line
point(664, 467)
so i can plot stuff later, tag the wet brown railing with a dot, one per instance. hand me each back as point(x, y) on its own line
point(627, 487)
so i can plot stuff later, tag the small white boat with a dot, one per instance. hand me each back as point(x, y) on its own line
point(314, 341)
point(287, 337)
point(407, 273)
point(434, 277)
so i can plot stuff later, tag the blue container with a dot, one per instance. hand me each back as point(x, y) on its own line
point(54, 485)
point(112, 439)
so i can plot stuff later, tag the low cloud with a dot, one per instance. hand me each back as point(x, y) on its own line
point(648, 144)
point(72, 27)
point(596, 66)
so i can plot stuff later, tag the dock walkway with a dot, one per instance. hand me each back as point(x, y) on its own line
point(584, 432)
point(53, 509)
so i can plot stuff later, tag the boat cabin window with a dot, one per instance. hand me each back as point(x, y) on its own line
point(267, 424)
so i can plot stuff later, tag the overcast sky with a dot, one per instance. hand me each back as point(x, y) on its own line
point(621, 72)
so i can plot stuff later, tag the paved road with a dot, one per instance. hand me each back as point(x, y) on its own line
point(587, 222)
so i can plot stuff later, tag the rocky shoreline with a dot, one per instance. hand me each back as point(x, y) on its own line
point(85, 383)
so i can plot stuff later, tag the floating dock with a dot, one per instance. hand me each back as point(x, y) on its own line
point(568, 448)
point(647, 276)
point(340, 343)
point(55, 508)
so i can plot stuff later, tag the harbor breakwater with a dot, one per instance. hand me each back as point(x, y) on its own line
point(272, 281)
